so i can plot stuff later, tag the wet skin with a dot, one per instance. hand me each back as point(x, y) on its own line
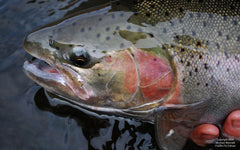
point(114, 64)
point(206, 133)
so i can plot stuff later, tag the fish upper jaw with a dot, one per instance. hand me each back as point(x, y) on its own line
point(55, 79)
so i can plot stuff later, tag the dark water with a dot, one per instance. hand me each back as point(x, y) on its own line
point(28, 120)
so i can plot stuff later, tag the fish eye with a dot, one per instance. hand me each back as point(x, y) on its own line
point(78, 56)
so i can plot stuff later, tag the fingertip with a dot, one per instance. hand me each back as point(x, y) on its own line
point(231, 126)
point(204, 134)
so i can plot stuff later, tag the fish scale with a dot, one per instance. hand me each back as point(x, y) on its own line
point(194, 46)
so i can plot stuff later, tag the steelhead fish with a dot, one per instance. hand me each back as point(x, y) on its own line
point(177, 60)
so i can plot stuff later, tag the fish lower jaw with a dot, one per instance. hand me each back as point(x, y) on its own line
point(42, 71)
point(54, 81)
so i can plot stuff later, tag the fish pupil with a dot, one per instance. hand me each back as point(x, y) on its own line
point(80, 61)
point(79, 57)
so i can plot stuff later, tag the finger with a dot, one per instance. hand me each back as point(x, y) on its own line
point(204, 134)
point(231, 127)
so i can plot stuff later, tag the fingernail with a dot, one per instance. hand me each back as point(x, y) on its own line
point(236, 124)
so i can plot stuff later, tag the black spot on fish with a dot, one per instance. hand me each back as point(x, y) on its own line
point(82, 30)
point(99, 19)
point(193, 33)
point(210, 15)
point(218, 46)
point(227, 37)
point(218, 63)
point(228, 69)
point(198, 83)
point(182, 50)
point(196, 70)
point(99, 74)
point(107, 38)
point(164, 30)
point(181, 9)
point(152, 5)
point(140, 30)
point(204, 23)
point(198, 15)
point(70, 45)
point(226, 54)
point(166, 13)
point(212, 76)
point(235, 22)
point(183, 80)
point(232, 7)
point(107, 29)
point(74, 23)
point(188, 63)
point(151, 35)
point(190, 73)
point(128, 27)
point(148, 14)
point(200, 56)
point(206, 66)
point(192, 56)
point(206, 84)
point(238, 38)
point(180, 21)
point(237, 58)
point(190, 15)
point(181, 61)
point(219, 33)
point(207, 43)
point(94, 51)
point(121, 15)
point(198, 43)
point(121, 45)
point(117, 27)
point(98, 35)
point(225, 18)
point(90, 28)
point(183, 31)
point(172, 23)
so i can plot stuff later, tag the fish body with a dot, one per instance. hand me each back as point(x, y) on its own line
point(178, 60)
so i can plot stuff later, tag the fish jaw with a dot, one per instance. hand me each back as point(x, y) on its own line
point(54, 81)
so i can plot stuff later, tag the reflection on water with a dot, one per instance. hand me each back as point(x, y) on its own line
point(28, 119)
point(101, 131)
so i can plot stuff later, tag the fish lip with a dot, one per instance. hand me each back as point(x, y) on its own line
point(39, 70)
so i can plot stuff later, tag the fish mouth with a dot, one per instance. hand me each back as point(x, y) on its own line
point(53, 79)
point(42, 69)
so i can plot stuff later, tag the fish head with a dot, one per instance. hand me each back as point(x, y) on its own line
point(100, 60)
